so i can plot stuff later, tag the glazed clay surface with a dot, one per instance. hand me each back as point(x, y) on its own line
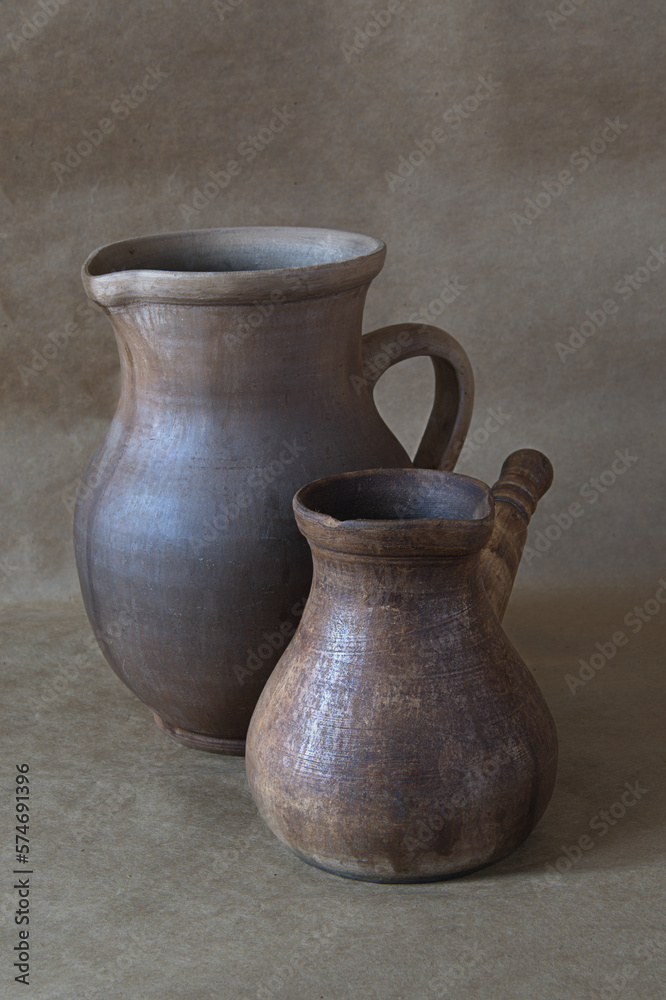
point(244, 376)
point(401, 737)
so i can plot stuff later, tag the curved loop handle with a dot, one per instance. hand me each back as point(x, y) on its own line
point(451, 413)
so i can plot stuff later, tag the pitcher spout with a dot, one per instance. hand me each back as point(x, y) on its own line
point(232, 266)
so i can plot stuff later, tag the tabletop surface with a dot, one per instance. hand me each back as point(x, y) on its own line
point(152, 874)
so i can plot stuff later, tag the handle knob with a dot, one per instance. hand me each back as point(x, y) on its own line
point(525, 477)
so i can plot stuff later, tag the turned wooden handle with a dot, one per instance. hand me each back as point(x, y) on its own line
point(526, 475)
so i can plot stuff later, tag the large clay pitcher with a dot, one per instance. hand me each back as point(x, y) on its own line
point(401, 738)
point(244, 376)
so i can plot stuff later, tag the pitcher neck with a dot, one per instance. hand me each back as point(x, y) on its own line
point(262, 347)
point(421, 581)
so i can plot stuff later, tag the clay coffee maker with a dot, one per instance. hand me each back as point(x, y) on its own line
point(401, 738)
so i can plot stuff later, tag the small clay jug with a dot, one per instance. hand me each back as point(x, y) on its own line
point(400, 738)
point(244, 375)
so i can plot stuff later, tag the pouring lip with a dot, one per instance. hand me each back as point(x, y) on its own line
point(176, 267)
point(464, 505)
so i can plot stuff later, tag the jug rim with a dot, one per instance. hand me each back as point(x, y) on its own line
point(305, 262)
point(451, 514)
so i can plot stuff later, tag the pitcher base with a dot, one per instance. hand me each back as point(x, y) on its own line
point(199, 741)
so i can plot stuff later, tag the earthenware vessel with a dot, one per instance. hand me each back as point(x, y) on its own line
point(244, 376)
point(400, 738)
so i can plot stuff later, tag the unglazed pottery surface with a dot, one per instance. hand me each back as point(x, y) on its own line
point(401, 737)
point(244, 376)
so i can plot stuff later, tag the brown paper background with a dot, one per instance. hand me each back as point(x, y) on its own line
point(355, 115)
point(177, 889)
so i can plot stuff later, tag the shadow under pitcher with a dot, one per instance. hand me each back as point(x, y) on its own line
point(244, 376)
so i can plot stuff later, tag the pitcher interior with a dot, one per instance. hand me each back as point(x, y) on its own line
point(398, 494)
point(242, 249)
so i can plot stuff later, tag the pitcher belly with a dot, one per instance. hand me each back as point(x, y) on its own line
point(194, 573)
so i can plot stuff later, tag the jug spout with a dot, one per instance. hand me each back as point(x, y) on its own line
point(525, 477)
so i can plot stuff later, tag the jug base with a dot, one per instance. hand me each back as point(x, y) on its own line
point(199, 741)
point(401, 879)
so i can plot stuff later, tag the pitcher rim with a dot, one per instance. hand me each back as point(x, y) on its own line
point(401, 537)
point(353, 260)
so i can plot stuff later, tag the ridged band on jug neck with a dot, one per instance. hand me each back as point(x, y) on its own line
point(396, 512)
point(232, 266)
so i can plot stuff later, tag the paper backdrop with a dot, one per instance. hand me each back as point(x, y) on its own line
point(510, 155)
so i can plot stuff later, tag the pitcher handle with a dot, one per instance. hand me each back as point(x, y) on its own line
point(451, 413)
